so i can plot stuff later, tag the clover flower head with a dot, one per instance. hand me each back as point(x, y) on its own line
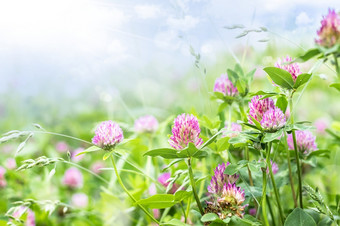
point(305, 141)
point(10, 163)
point(273, 119)
point(329, 32)
point(225, 86)
point(235, 128)
point(292, 68)
point(258, 106)
point(3, 181)
point(73, 178)
point(79, 200)
point(107, 135)
point(220, 179)
point(186, 130)
point(146, 124)
point(231, 201)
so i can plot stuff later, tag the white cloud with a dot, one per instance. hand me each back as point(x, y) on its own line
point(183, 24)
point(147, 11)
point(303, 19)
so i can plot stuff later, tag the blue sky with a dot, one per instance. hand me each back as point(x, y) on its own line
point(64, 44)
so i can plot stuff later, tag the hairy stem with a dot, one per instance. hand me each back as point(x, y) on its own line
point(128, 193)
point(296, 154)
point(263, 201)
point(277, 196)
point(291, 175)
point(271, 211)
point(193, 185)
point(336, 64)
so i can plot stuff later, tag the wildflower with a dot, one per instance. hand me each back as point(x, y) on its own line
point(258, 107)
point(146, 124)
point(163, 180)
point(73, 178)
point(292, 68)
point(10, 163)
point(252, 211)
point(273, 119)
point(231, 201)
point(329, 32)
point(79, 200)
point(107, 135)
point(96, 166)
point(220, 178)
point(3, 182)
point(185, 130)
point(321, 125)
point(235, 127)
point(225, 86)
point(305, 141)
point(74, 154)
point(62, 147)
point(30, 219)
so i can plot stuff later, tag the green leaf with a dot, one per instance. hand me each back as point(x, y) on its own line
point(233, 76)
point(174, 222)
point(257, 123)
point(209, 217)
point(107, 155)
point(167, 153)
point(264, 93)
point(299, 218)
point(233, 168)
point(222, 144)
point(181, 195)
point(336, 86)
point(211, 140)
point(222, 106)
point(90, 149)
point(302, 79)
point(272, 136)
point(159, 201)
point(282, 103)
point(308, 55)
point(280, 77)
point(241, 87)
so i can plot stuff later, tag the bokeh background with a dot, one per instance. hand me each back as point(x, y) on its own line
point(62, 59)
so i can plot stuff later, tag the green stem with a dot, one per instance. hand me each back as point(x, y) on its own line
point(222, 119)
point(263, 201)
point(290, 174)
point(128, 193)
point(296, 154)
point(271, 211)
point(277, 196)
point(243, 114)
point(193, 185)
point(337, 68)
point(298, 169)
point(185, 216)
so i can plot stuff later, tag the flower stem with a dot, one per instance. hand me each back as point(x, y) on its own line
point(193, 185)
point(291, 175)
point(128, 193)
point(296, 154)
point(337, 68)
point(263, 201)
point(298, 169)
point(271, 211)
point(277, 196)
